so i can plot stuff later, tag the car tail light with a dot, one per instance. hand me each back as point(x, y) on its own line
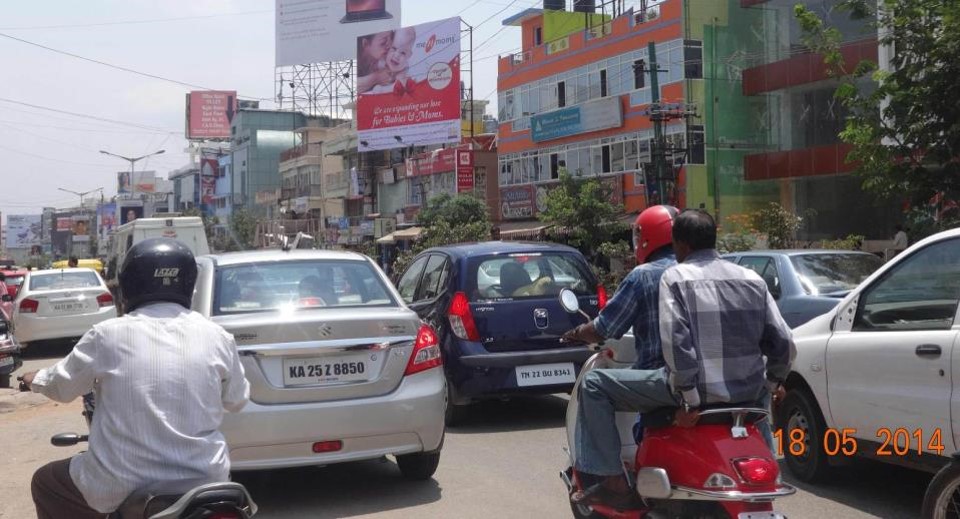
point(105, 299)
point(328, 446)
point(29, 306)
point(601, 297)
point(757, 471)
point(461, 318)
point(426, 352)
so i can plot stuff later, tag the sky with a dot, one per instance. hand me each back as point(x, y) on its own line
point(218, 44)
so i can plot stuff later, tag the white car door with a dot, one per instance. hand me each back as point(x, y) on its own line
point(888, 361)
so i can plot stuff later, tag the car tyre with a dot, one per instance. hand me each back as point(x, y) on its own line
point(799, 411)
point(4, 381)
point(453, 414)
point(420, 466)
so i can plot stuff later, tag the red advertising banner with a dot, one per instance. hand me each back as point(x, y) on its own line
point(464, 170)
point(411, 96)
point(209, 114)
point(209, 167)
point(208, 188)
point(440, 161)
point(64, 224)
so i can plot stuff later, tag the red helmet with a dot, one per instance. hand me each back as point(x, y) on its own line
point(653, 230)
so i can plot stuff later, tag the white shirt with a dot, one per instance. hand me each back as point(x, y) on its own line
point(163, 377)
point(900, 240)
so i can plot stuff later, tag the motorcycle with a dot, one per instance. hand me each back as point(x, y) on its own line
point(187, 499)
point(10, 359)
point(720, 468)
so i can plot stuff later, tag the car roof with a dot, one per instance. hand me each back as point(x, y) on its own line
point(259, 256)
point(487, 248)
point(796, 252)
point(55, 271)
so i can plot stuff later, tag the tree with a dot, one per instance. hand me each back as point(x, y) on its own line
point(905, 126)
point(445, 220)
point(243, 229)
point(583, 209)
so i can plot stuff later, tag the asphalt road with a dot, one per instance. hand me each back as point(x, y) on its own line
point(503, 463)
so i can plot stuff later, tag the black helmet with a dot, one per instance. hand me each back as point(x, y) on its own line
point(158, 269)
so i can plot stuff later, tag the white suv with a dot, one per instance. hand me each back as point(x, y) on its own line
point(874, 377)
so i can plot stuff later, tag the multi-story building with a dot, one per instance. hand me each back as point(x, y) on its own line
point(756, 121)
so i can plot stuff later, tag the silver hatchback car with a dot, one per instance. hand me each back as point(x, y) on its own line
point(339, 368)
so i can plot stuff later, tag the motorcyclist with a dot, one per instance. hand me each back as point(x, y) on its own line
point(163, 377)
point(634, 305)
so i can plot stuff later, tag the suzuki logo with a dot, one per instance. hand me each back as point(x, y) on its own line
point(541, 318)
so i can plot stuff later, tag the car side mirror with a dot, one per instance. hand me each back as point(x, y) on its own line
point(6, 298)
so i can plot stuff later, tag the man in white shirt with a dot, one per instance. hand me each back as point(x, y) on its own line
point(163, 377)
point(900, 240)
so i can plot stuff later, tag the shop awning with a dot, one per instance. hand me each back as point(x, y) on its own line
point(533, 230)
point(409, 234)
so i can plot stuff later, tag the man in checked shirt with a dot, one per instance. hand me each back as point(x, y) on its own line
point(723, 341)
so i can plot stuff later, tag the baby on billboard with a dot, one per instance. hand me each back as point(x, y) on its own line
point(399, 61)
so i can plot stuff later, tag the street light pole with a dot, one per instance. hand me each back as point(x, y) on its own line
point(133, 161)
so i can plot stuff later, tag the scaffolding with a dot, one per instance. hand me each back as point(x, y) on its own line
point(317, 89)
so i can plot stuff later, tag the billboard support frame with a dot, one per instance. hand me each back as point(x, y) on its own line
point(317, 88)
point(466, 59)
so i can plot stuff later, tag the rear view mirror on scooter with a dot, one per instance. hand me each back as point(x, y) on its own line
point(67, 439)
point(569, 301)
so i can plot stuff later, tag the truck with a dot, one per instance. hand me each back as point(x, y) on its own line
point(187, 229)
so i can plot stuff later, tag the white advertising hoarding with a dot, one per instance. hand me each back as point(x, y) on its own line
point(23, 230)
point(314, 31)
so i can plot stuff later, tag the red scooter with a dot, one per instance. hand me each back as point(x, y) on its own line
point(719, 469)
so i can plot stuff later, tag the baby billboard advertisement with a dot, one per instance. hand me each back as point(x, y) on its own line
point(408, 82)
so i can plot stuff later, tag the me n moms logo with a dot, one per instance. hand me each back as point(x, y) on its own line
point(433, 41)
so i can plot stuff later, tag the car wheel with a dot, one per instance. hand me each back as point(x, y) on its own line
point(942, 494)
point(807, 460)
point(453, 414)
point(420, 466)
point(4, 381)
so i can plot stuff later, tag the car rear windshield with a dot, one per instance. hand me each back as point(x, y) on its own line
point(64, 280)
point(264, 287)
point(14, 280)
point(822, 274)
point(526, 276)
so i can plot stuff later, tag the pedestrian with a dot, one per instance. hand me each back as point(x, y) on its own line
point(900, 240)
point(73, 262)
point(142, 365)
point(737, 341)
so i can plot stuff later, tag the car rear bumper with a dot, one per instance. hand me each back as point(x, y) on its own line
point(526, 358)
point(28, 328)
point(481, 374)
point(408, 420)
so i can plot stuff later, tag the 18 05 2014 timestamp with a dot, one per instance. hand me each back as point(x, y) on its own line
point(843, 442)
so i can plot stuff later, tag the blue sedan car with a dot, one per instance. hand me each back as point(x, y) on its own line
point(496, 308)
point(808, 283)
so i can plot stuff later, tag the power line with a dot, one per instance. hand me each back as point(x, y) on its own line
point(118, 67)
point(131, 22)
point(86, 116)
point(41, 157)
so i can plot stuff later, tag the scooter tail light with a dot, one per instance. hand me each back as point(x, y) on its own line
point(601, 297)
point(461, 318)
point(757, 471)
point(719, 481)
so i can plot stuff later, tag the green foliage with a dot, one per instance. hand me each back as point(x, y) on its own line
point(583, 208)
point(779, 225)
point(907, 148)
point(851, 242)
point(921, 223)
point(464, 208)
point(735, 242)
point(243, 230)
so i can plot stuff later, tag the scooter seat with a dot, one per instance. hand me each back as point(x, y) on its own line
point(155, 498)
point(663, 416)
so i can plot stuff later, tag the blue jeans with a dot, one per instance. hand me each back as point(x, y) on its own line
point(603, 393)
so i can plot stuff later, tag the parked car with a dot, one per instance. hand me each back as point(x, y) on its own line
point(877, 376)
point(10, 360)
point(496, 310)
point(57, 305)
point(340, 369)
point(808, 283)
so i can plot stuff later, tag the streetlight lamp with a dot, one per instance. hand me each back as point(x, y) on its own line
point(133, 161)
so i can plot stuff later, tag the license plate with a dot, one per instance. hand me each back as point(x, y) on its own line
point(326, 370)
point(67, 307)
point(545, 374)
point(6, 361)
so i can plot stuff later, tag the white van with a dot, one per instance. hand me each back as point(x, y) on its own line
point(186, 229)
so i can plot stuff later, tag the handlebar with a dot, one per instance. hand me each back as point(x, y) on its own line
point(22, 387)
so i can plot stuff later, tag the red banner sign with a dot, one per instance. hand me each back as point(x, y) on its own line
point(464, 170)
point(208, 187)
point(209, 114)
point(441, 161)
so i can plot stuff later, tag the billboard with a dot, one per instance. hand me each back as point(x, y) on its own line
point(208, 189)
point(592, 116)
point(412, 96)
point(314, 31)
point(209, 113)
point(142, 182)
point(23, 230)
point(130, 213)
point(106, 219)
point(464, 171)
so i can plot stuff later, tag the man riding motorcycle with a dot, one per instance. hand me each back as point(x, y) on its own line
point(163, 377)
point(636, 305)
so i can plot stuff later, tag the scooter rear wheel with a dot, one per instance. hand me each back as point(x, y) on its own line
point(942, 499)
point(583, 511)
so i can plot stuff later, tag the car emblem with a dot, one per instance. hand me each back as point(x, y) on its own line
point(325, 330)
point(541, 318)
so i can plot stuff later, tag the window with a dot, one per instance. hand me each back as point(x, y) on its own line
point(693, 59)
point(603, 83)
point(434, 278)
point(616, 157)
point(562, 94)
point(538, 36)
point(920, 293)
point(833, 274)
point(766, 268)
point(594, 79)
point(554, 166)
point(533, 275)
point(631, 152)
point(64, 280)
point(408, 283)
point(697, 154)
point(605, 159)
point(639, 74)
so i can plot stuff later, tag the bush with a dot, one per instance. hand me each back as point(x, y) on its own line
point(851, 242)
